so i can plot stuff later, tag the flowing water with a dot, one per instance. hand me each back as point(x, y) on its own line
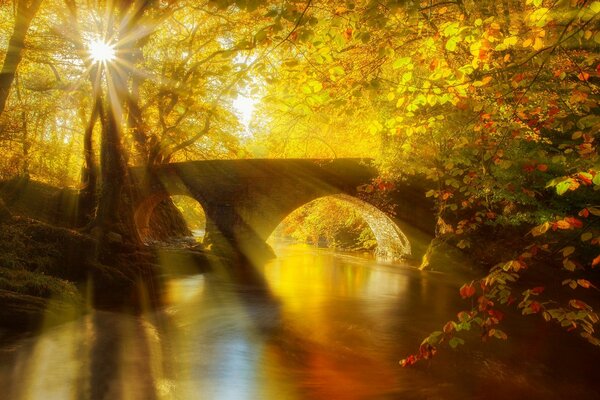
point(312, 324)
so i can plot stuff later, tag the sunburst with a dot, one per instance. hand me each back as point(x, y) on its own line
point(101, 51)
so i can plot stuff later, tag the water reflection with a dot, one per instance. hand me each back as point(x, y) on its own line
point(311, 324)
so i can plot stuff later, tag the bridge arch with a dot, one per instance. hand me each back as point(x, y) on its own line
point(163, 216)
point(392, 243)
point(245, 200)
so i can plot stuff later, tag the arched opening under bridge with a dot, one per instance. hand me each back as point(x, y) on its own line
point(175, 219)
point(345, 222)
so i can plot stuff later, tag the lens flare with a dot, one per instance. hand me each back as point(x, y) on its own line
point(100, 51)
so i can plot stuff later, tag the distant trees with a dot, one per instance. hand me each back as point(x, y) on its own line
point(329, 222)
point(25, 11)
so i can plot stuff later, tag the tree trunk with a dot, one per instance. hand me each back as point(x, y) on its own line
point(16, 44)
point(89, 174)
point(112, 222)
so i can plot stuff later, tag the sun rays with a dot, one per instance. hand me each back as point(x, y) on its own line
point(101, 51)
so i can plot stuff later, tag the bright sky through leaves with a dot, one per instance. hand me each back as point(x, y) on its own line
point(100, 51)
point(244, 107)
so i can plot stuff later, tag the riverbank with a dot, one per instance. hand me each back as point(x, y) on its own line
point(50, 274)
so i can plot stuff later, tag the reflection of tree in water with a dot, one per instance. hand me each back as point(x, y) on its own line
point(125, 358)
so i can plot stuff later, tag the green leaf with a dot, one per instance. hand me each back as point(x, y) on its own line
point(455, 341)
point(562, 187)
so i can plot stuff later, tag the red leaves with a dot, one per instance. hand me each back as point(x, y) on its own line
point(348, 34)
point(574, 222)
point(584, 283)
point(496, 314)
point(427, 351)
point(583, 76)
point(537, 290)
point(490, 215)
point(530, 167)
point(535, 307)
point(579, 305)
point(596, 261)
point(567, 223)
point(408, 361)
point(446, 195)
point(449, 327)
point(484, 303)
point(584, 213)
point(585, 178)
point(467, 290)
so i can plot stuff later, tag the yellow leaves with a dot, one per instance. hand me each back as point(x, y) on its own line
point(431, 99)
point(312, 87)
point(540, 229)
point(451, 29)
point(538, 43)
point(569, 265)
point(452, 43)
point(540, 17)
point(578, 97)
point(406, 77)
point(567, 251)
point(586, 236)
point(513, 265)
point(475, 47)
point(402, 62)
point(335, 73)
point(483, 82)
point(507, 43)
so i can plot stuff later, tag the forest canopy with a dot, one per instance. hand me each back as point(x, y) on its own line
point(493, 103)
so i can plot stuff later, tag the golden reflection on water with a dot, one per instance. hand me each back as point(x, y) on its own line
point(223, 340)
point(323, 326)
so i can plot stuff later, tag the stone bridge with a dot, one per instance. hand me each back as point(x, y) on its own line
point(245, 200)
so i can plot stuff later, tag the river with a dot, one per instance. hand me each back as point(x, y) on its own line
point(311, 324)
